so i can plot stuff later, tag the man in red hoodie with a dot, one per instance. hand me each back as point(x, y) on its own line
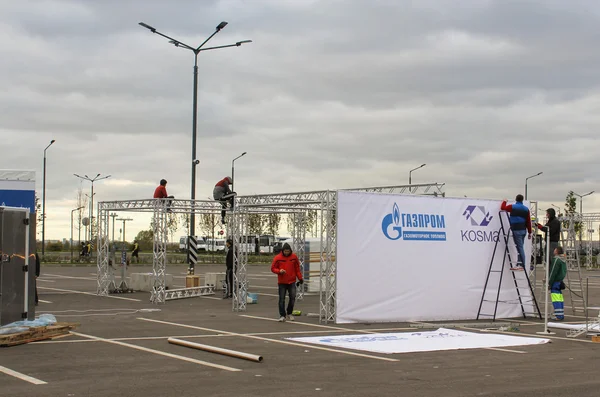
point(287, 267)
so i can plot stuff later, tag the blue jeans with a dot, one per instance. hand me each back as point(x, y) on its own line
point(291, 290)
point(558, 301)
point(519, 238)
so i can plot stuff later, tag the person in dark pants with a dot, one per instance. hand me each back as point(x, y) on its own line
point(552, 231)
point(229, 270)
point(37, 274)
point(287, 267)
point(520, 224)
point(136, 251)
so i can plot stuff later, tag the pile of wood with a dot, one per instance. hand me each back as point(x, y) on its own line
point(35, 334)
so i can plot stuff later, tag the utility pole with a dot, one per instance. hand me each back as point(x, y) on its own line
point(124, 220)
point(113, 215)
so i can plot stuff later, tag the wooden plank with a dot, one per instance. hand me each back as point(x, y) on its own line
point(36, 334)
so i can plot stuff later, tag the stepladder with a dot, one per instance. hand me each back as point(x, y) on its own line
point(507, 283)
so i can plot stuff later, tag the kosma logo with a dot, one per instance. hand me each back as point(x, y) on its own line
point(398, 225)
point(478, 215)
point(479, 218)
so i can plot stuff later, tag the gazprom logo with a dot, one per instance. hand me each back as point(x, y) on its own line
point(398, 225)
point(393, 220)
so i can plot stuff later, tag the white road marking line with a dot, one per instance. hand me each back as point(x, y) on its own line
point(43, 301)
point(21, 376)
point(88, 293)
point(260, 293)
point(71, 277)
point(504, 350)
point(203, 336)
point(160, 353)
point(304, 345)
point(44, 280)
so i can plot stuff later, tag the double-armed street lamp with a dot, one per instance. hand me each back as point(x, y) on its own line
point(196, 51)
point(92, 180)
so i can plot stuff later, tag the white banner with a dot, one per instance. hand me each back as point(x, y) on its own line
point(419, 258)
point(410, 342)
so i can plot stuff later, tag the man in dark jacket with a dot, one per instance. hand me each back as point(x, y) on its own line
point(552, 230)
point(287, 267)
point(229, 271)
point(520, 224)
point(558, 272)
point(223, 193)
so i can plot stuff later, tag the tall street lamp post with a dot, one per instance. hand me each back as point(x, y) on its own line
point(196, 51)
point(44, 201)
point(92, 180)
point(528, 178)
point(410, 174)
point(76, 209)
point(233, 168)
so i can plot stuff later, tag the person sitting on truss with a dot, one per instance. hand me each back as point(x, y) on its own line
point(161, 192)
point(223, 194)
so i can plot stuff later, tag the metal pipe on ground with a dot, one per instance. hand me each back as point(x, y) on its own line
point(213, 349)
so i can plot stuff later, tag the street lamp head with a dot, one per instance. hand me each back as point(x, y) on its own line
point(221, 25)
point(239, 43)
point(52, 141)
point(150, 28)
point(243, 154)
point(423, 165)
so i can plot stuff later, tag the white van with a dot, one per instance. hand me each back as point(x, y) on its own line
point(215, 245)
point(201, 244)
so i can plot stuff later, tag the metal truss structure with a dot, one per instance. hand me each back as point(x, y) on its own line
point(297, 204)
point(572, 248)
point(160, 208)
point(189, 292)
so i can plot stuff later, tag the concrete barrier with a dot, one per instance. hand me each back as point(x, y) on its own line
point(145, 281)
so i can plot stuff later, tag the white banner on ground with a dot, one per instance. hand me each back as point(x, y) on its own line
point(418, 258)
point(410, 342)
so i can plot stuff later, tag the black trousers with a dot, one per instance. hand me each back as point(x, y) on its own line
point(229, 280)
point(290, 289)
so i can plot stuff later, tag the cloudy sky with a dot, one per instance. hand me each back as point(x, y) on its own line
point(330, 94)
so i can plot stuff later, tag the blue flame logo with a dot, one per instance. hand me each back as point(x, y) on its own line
point(389, 220)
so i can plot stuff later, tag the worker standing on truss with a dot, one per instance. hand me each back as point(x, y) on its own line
point(520, 224)
point(223, 194)
point(558, 272)
point(287, 268)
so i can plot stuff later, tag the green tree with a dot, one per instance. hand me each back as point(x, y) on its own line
point(145, 239)
point(570, 210)
point(256, 223)
point(208, 223)
point(272, 222)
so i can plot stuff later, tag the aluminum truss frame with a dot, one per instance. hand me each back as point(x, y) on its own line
point(324, 201)
point(160, 208)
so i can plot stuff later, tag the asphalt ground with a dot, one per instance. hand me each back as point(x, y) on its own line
point(121, 349)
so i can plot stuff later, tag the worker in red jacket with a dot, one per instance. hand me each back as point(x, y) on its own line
point(287, 267)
